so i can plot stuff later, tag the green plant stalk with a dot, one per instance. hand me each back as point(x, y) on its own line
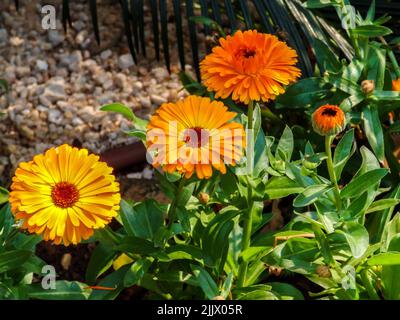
point(392, 58)
point(366, 280)
point(247, 217)
point(331, 170)
point(172, 208)
point(352, 36)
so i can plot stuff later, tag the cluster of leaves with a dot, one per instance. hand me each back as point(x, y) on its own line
point(21, 270)
point(339, 82)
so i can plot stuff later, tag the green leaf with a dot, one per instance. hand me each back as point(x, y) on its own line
point(226, 287)
point(385, 259)
point(216, 238)
point(382, 205)
point(137, 133)
point(369, 162)
point(362, 183)
point(3, 195)
point(127, 113)
point(344, 150)
point(373, 130)
point(285, 145)
point(115, 281)
point(346, 85)
point(280, 187)
point(136, 272)
point(205, 281)
point(258, 295)
point(393, 96)
point(326, 56)
point(350, 102)
point(304, 93)
point(310, 195)
point(391, 273)
point(184, 251)
point(357, 237)
point(13, 259)
point(371, 30)
point(100, 260)
point(376, 66)
point(136, 245)
point(65, 290)
point(371, 12)
point(143, 219)
point(121, 109)
point(286, 291)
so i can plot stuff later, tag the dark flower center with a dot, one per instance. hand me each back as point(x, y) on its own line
point(329, 112)
point(195, 137)
point(64, 194)
point(246, 52)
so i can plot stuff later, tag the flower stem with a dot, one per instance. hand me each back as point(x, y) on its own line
point(331, 170)
point(172, 208)
point(366, 280)
point(392, 58)
point(247, 216)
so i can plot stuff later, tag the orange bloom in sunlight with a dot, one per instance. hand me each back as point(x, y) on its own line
point(194, 135)
point(249, 66)
point(328, 120)
point(396, 85)
point(64, 195)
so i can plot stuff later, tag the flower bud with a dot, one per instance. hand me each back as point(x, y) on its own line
point(368, 86)
point(328, 120)
point(323, 271)
point(204, 197)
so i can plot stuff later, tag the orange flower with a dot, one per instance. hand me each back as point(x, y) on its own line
point(396, 84)
point(64, 195)
point(249, 66)
point(328, 120)
point(194, 134)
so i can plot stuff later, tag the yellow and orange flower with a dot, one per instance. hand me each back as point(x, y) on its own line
point(328, 120)
point(396, 85)
point(249, 66)
point(194, 135)
point(64, 195)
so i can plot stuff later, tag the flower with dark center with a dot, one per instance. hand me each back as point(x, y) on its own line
point(328, 120)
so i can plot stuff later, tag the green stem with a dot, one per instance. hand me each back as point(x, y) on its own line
point(368, 285)
point(172, 208)
point(392, 58)
point(331, 170)
point(247, 216)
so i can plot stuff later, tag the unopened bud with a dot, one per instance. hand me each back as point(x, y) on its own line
point(324, 271)
point(204, 197)
point(368, 86)
point(276, 271)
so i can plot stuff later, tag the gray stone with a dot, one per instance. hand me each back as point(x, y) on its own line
point(55, 116)
point(106, 54)
point(55, 37)
point(3, 37)
point(72, 61)
point(125, 61)
point(42, 65)
point(158, 100)
point(55, 90)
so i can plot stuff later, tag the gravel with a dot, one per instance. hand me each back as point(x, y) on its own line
point(58, 82)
